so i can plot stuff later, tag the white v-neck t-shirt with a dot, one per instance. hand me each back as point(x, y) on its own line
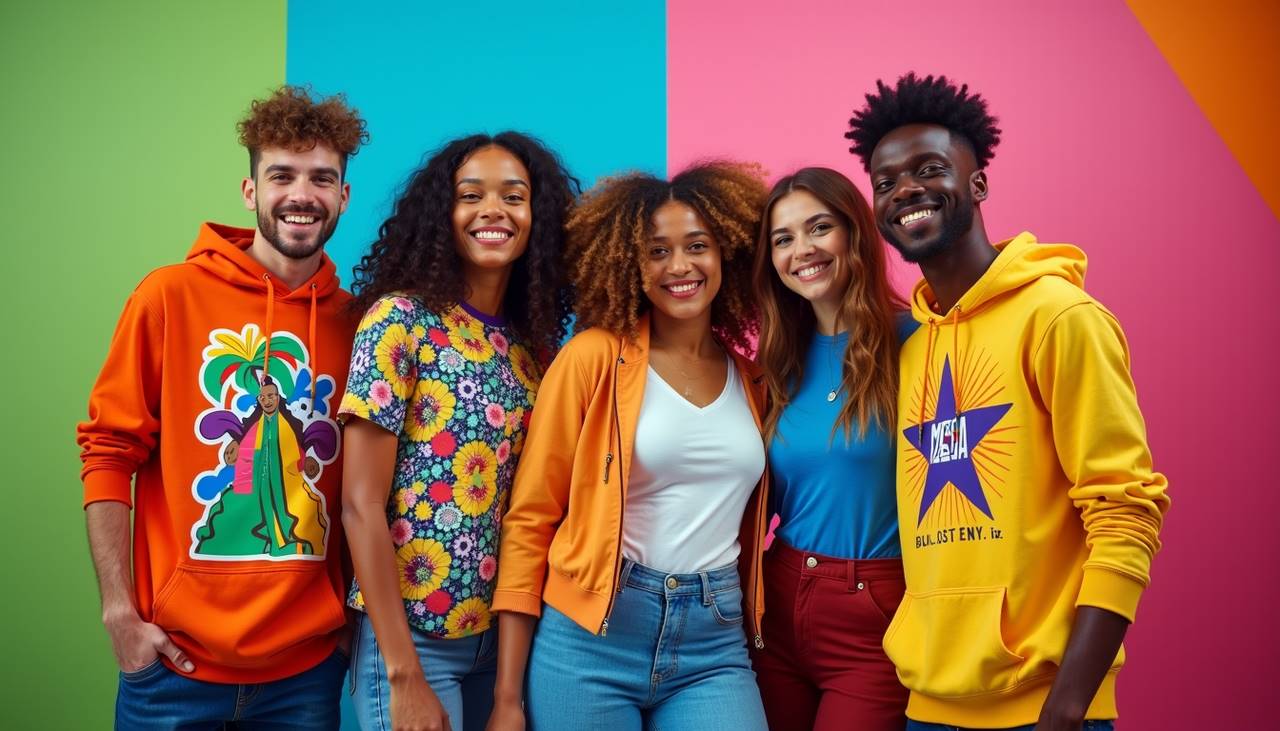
point(692, 471)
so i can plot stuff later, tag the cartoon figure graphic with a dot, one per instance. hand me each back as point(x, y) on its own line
point(262, 502)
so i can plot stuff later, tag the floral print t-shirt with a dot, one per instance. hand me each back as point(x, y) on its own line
point(458, 392)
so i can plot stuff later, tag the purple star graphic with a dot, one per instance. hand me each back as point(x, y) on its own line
point(950, 457)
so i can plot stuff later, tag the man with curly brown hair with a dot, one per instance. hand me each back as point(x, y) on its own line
point(212, 420)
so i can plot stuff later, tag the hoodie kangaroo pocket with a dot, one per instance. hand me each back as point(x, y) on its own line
point(948, 643)
point(243, 617)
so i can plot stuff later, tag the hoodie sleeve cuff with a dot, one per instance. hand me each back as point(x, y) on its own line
point(517, 601)
point(1110, 590)
point(100, 485)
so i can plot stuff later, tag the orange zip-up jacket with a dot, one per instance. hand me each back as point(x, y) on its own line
point(562, 534)
point(237, 533)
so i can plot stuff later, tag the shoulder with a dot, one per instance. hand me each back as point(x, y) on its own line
point(395, 308)
point(905, 324)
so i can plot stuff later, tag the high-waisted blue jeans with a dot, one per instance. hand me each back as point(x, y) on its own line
point(674, 658)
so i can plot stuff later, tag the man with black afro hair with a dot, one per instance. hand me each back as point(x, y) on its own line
point(1029, 509)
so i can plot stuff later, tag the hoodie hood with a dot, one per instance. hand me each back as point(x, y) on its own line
point(1022, 260)
point(224, 251)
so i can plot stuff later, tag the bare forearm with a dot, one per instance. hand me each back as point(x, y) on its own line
point(373, 556)
point(515, 637)
point(109, 545)
point(1095, 641)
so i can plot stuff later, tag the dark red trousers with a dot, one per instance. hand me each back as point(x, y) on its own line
point(823, 667)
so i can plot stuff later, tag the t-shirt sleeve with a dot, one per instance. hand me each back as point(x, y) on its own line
point(384, 364)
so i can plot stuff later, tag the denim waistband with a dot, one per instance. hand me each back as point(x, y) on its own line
point(639, 576)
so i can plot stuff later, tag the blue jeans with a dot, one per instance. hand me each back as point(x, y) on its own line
point(674, 658)
point(460, 672)
point(157, 698)
point(1088, 726)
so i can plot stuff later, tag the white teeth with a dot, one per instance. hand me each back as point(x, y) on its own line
point(491, 235)
point(910, 217)
point(809, 271)
point(299, 219)
point(682, 288)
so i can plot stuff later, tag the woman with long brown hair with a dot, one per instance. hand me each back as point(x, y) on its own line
point(831, 326)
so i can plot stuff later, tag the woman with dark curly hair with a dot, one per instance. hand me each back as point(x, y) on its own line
point(637, 516)
point(464, 302)
point(829, 335)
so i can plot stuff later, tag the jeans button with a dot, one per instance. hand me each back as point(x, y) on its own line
point(860, 586)
point(672, 583)
point(811, 562)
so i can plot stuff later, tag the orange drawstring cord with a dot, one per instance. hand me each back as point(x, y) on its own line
point(311, 345)
point(955, 345)
point(271, 311)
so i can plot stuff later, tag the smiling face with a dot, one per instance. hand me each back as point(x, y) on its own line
point(298, 198)
point(809, 246)
point(682, 263)
point(926, 185)
point(269, 398)
point(492, 211)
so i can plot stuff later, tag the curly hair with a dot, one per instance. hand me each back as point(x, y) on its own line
point(868, 309)
point(607, 230)
point(931, 100)
point(415, 252)
point(292, 120)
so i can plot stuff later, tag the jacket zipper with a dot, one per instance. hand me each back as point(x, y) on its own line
point(608, 459)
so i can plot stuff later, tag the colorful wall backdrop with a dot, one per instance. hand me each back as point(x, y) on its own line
point(1134, 130)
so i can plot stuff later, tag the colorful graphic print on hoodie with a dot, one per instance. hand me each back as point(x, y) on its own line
point(262, 501)
point(235, 485)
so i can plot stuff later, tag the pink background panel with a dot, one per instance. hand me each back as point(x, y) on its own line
point(1104, 148)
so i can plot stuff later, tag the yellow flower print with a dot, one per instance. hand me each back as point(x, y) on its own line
point(419, 487)
point(353, 404)
point(423, 511)
point(476, 467)
point(467, 618)
point(525, 367)
point(458, 317)
point(427, 354)
point(404, 499)
point(377, 313)
point(419, 332)
point(430, 410)
point(395, 356)
point(424, 565)
point(469, 340)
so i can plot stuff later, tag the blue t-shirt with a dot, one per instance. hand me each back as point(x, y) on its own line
point(834, 497)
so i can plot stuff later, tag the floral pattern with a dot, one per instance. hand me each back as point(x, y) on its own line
point(457, 389)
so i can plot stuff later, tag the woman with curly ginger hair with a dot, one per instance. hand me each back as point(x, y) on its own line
point(829, 336)
point(462, 293)
point(637, 518)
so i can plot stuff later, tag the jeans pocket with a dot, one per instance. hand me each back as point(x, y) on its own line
point(726, 606)
point(142, 673)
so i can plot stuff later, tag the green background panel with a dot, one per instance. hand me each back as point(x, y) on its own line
point(119, 127)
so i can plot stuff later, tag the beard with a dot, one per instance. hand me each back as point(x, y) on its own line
point(269, 225)
point(954, 226)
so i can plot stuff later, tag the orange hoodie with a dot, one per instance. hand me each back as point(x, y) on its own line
point(237, 537)
point(567, 501)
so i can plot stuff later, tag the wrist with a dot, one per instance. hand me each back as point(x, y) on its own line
point(119, 614)
point(405, 674)
point(508, 696)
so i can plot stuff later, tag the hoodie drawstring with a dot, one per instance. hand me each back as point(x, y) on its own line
point(928, 359)
point(312, 348)
point(311, 336)
point(271, 311)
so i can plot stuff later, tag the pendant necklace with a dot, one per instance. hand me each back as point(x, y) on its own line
point(831, 395)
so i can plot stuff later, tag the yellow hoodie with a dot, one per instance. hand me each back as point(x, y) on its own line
point(1025, 488)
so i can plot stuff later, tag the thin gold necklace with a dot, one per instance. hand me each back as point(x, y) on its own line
point(832, 374)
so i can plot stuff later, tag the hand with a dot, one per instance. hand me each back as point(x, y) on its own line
point(137, 644)
point(230, 452)
point(506, 716)
point(1055, 718)
point(415, 707)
